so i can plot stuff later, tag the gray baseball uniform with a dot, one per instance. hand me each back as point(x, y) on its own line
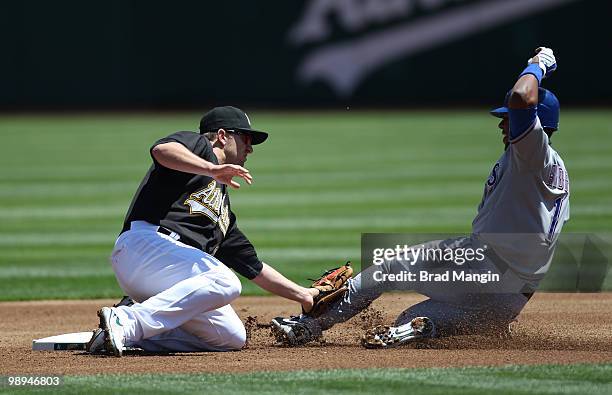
point(524, 206)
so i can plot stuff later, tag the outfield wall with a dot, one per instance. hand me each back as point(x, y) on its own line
point(320, 53)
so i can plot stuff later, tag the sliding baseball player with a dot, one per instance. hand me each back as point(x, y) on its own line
point(524, 206)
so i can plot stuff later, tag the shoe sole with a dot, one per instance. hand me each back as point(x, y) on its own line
point(111, 347)
point(379, 336)
point(97, 341)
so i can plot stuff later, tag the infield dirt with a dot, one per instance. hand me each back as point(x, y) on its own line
point(553, 328)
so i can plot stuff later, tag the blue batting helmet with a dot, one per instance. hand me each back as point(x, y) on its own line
point(548, 109)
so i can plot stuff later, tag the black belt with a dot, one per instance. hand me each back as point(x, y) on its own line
point(177, 237)
point(168, 232)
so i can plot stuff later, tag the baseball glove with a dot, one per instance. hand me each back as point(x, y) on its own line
point(331, 286)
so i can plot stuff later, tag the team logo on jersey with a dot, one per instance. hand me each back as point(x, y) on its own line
point(557, 178)
point(493, 177)
point(210, 201)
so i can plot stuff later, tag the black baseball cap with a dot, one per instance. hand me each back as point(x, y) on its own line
point(231, 119)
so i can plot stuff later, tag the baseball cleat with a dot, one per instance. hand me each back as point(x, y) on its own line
point(290, 331)
point(96, 344)
point(114, 339)
point(389, 336)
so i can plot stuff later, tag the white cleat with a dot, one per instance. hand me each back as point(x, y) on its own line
point(389, 336)
point(114, 338)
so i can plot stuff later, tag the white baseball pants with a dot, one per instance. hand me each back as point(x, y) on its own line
point(182, 294)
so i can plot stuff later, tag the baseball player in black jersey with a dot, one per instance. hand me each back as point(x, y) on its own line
point(180, 239)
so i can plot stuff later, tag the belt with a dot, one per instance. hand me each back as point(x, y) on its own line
point(144, 225)
point(177, 237)
point(168, 232)
point(163, 231)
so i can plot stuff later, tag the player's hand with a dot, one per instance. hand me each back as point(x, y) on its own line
point(545, 59)
point(225, 174)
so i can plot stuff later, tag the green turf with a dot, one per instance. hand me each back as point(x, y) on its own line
point(320, 181)
point(541, 379)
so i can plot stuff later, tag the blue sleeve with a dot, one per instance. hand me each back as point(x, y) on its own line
point(521, 120)
point(534, 70)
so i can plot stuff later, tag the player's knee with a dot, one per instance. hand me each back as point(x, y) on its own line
point(237, 340)
point(231, 338)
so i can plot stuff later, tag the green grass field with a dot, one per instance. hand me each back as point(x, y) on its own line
point(543, 379)
point(320, 181)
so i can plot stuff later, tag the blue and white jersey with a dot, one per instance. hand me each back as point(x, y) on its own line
point(525, 201)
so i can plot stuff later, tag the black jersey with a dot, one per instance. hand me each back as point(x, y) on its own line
point(194, 206)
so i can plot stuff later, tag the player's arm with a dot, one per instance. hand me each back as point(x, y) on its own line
point(274, 282)
point(525, 132)
point(238, 253)
point(523, 99)
point(524, 94)
point(176, 156)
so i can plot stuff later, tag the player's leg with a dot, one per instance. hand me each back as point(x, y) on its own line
point(178, 304)
point(173, 283)
point(363, 289)
point(217, 330)
point(471, 314)
point(302, 329)
point(470, 307)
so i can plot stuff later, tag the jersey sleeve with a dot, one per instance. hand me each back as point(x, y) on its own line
point(528, 141)
point(237, 252)
point(194, 142)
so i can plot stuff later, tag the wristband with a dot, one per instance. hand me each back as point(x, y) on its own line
point(535, 70)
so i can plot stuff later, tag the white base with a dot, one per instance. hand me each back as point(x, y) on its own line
point(65, 342)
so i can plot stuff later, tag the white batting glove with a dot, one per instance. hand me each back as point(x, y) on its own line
point(545, 59)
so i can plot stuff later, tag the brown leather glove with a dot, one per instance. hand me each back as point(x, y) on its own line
point(331, 286)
